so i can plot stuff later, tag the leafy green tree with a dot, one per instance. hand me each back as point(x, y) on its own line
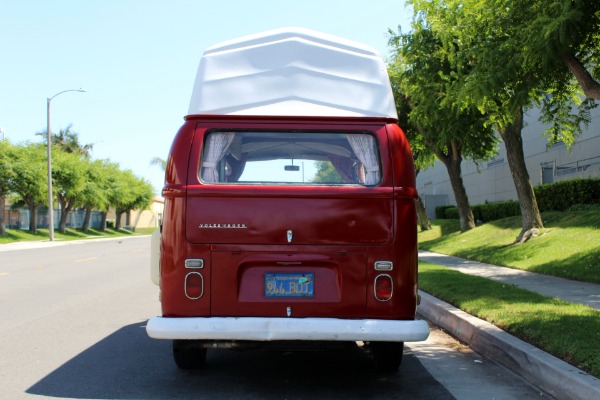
point(423, 157)
point(519, 54)
point(420, 67)
point(112, 173)
point(31, 183)
point(130, 193)
point(7, 176)
point(558, 37)
point(95, 191)
point(69, 181)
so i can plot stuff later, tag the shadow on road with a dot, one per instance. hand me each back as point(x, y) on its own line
point(129, 365)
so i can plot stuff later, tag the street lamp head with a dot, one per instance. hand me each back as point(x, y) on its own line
point(65, 91)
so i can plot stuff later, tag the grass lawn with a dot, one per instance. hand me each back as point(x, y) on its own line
point(568, 331)
point(569, 246)
point(17, 235)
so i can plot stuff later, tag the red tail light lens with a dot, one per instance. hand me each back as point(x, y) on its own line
point(194, 285)
point(384, 287)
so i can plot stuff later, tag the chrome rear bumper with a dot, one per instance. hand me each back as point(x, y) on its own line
point(270, 329)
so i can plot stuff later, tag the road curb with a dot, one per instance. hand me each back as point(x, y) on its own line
point(544, 371)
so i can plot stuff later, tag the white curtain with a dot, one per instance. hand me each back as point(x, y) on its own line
point(364, 148)
point(216, 147)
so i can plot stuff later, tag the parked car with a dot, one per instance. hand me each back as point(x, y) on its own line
point(289, 204)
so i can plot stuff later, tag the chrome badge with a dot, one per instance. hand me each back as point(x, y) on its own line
point(222, 226)
point(290, 235)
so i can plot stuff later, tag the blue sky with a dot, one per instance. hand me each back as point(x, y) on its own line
point(137, 61)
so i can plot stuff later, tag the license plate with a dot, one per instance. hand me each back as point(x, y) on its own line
point(286, 285)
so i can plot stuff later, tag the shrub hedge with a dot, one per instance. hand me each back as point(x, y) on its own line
point(493, 211)
point(559, 196)
point(440, 212)
point(452, 213)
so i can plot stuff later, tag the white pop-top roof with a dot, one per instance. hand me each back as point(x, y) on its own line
point(292, 72)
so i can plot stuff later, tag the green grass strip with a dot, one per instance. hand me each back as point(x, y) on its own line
point(569, 246)
point(568, 331)
point(17, 235)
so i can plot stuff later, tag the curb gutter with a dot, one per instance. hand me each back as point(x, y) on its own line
point(544, 371)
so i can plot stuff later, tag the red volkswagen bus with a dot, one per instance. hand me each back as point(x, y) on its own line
point(289, 204)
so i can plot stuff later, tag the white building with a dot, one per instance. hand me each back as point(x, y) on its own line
point(493, 182)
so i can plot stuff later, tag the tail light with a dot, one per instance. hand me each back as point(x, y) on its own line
point(194, 285)
point(384, 287)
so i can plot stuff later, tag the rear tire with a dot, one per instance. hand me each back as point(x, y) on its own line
point(387, 355)
point(189, 354)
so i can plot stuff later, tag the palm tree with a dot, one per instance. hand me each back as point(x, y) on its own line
point(160, 162)
point(68, 141)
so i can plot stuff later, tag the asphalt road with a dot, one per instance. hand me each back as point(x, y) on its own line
point(72, 325)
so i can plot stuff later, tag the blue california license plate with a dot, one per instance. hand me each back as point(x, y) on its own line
point(287, 284)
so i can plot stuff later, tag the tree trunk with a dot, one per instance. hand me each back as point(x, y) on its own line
point(2, 223)
point(118, 214)
point(86, 219)
point(590, 87)
point(103, 222)
point(452, 161)
point(33, 218)
point(63, 218)
point(530, 214)
point(422, 216)
point(64, 213)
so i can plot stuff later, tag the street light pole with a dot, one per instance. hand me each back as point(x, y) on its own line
point(50, 202)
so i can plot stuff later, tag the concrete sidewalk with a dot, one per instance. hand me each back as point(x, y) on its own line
point(544, 371)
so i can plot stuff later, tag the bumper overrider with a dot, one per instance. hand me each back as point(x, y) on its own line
point(271, 329)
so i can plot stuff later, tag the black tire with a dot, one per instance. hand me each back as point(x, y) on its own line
point(387, 355)
point(189, 354)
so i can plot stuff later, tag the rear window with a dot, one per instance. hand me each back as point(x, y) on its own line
point(298, 158)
